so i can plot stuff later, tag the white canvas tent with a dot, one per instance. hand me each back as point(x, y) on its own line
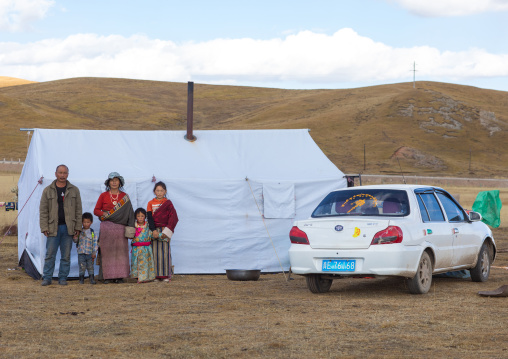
point(218, 185)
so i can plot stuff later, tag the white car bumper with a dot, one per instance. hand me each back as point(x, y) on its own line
point(388, 259)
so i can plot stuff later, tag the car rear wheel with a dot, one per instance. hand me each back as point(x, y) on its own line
point(317, 284)
point(420, 283)
point(480, 272)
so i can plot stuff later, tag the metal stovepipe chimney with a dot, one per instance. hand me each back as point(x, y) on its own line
point(190, 112)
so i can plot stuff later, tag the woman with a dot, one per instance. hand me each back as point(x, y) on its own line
point(114, 209)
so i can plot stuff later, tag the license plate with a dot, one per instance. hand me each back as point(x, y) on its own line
point(338, 265)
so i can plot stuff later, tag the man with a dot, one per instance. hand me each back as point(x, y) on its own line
point(60, 220)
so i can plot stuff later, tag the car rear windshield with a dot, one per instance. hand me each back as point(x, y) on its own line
point(364, 202)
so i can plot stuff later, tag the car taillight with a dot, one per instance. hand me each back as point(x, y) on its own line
point(297, 236)
point(392, 234)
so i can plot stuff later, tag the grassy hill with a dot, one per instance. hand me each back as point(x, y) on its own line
point(12, 81)
point(437, 128)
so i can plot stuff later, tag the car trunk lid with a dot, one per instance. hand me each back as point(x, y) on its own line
point(339, 233)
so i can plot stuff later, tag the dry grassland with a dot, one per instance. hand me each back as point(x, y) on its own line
point(208, 316)
point(12, 81)
point(435, 128)
point(7, 182)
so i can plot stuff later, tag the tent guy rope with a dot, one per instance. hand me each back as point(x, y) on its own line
point(38, 183)
point(263, 218)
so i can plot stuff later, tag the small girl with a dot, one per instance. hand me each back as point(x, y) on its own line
point(162, 219)
point(142, 266)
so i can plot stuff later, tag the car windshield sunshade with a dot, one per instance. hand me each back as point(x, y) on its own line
point(364, 202)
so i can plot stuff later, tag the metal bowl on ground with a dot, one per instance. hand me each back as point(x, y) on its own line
point(243, 274)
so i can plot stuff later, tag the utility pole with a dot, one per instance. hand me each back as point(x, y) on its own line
point(414, 74)
point(364, 162)
point(470, 159)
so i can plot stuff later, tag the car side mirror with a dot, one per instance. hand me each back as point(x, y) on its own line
point(475, 216)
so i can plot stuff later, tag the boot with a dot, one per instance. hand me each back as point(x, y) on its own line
point(92, 280)
point(81, 279)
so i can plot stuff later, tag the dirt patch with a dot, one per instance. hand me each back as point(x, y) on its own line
point(418, 159)
point(9, 230)
point(211, 317)
point(10, 167)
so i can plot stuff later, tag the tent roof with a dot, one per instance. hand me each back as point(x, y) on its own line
point(280, 155)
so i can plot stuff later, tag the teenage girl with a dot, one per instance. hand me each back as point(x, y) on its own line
point(162, 220)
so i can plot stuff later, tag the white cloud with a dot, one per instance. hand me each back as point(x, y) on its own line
point(18, 15)
point(438, 8)
point(305, 59)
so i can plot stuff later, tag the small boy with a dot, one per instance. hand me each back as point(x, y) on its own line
point(87, 249)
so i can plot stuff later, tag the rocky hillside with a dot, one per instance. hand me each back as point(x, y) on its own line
point(436, 128)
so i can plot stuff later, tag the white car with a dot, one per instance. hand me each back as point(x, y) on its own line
point(410, 231)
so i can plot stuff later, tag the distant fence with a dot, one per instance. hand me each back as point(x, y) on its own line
point(435, 181)
point(12, 161)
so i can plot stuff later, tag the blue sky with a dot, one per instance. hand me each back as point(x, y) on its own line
point(283, 44)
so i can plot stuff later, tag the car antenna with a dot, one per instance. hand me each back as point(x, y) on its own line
point(401, 171)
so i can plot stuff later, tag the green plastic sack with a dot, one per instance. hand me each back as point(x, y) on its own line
point(488, 204)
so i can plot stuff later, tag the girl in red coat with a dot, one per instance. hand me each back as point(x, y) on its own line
point(162, 220)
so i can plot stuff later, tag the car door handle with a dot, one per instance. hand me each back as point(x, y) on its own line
point(455, 230)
